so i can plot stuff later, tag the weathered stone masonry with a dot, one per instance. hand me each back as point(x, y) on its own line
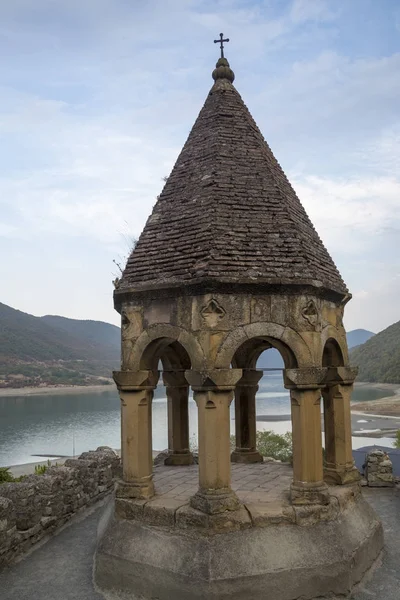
point(40, 504)
point(227, 266)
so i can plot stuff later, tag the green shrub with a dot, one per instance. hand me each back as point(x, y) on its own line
point(5, 475)
point(41, 469)
point(269, 444)
point(397, 440)
point(274, 445)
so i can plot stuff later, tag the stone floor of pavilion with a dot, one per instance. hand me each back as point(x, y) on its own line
point(266, 482)
point(262, 488)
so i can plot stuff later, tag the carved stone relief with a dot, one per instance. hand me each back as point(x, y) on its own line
point(130, 324)
point(131, 328)
point(311, 315)
point(261, 309)
point(212, 313)
point(339, 317)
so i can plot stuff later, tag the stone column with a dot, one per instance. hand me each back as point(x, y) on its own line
point(308, 486)
point(213, 393)
point(339, 463)
point(136, 392)
point(245, 418)
point(178, 419)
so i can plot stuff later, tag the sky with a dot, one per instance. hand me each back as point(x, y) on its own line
point(97, 98)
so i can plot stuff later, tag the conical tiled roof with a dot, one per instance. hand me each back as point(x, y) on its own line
point(227, 213)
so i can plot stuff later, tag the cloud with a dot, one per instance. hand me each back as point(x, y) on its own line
point(375, 307)
point(349, 211)
point(318, 10)
point(98, 97)
point(331, 100)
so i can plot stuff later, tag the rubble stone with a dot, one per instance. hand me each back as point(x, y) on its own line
point(40, 504)
point(378, 469)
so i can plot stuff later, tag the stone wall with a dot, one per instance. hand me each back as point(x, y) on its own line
point(40, 504)
point(378, 469)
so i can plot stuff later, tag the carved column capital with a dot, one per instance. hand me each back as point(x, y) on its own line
point(307, 378)
point(130, 381)
point(341, 376)
point(174, 379)
point(213, 380)
point(250, 378)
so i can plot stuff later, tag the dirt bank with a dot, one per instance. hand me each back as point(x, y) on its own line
point(56, 389)
point(389, 406)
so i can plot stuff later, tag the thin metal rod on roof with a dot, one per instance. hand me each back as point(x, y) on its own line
point(244, 369)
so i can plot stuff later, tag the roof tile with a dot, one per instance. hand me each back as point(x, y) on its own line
point(228, 212)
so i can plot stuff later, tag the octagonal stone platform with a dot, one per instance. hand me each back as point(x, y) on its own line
point(269, 550)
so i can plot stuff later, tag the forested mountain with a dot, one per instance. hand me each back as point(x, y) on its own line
point(52, 349)
point(104, 337)
point(379, 358)
point(358, 336)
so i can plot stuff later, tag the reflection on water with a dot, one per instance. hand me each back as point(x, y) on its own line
point(57, 424)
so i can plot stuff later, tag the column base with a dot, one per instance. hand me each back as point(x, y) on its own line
point(246, 456)
point(141, 488)
point(341, 476)
point(179, 460)
point(309, 493)
point(214, 502)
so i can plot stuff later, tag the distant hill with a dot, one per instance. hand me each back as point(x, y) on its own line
point(104, 337)
point(358, 336)
point(379, 358)
point(52, 349)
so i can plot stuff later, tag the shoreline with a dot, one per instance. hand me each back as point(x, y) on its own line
point(395, 387)
point(389, 406)
point(75, 389)
point(56, 389)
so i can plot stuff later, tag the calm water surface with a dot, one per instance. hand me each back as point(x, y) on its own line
point(64, 425)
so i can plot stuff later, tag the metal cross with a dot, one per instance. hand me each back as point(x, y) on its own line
point(221, 42)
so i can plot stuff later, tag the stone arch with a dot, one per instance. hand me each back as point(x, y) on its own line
point(332, 355)
point(257, 337)
point(247, 355)
point(331, 342)
point(175, 357)
point(169, 340)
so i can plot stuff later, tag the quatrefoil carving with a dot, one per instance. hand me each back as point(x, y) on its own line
point(212, 313)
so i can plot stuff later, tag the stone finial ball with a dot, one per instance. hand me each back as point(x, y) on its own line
point(223, 71)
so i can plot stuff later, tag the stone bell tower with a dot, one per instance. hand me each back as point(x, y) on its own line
point(228, 265)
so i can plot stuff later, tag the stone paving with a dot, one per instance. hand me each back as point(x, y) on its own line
point(263, 489)
point(62, 568)
point(266, 482)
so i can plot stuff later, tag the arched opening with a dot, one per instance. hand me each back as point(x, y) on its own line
point(171, 401)
point(332, 355)
point(338, 459)
point(261, 401)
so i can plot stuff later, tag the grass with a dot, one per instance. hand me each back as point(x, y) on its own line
point(7, 477)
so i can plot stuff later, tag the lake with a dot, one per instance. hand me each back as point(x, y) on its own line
point(68, 424)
